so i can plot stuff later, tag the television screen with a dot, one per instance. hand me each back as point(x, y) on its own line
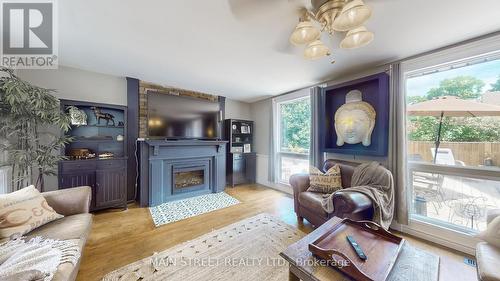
point(178, 117)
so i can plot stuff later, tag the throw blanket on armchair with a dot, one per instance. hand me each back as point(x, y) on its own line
point(376, 182)
point(36, 255)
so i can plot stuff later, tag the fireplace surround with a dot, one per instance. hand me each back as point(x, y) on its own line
point(176, 169)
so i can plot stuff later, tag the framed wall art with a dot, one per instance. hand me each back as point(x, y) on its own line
point(354, 116)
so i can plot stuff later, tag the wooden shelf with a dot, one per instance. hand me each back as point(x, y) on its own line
point(95, 159)
point(99, 126)
point(95, 140)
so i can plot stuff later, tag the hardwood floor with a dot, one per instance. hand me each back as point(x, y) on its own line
point(122, 237)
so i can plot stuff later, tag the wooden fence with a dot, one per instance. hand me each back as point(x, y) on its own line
point(472, 153)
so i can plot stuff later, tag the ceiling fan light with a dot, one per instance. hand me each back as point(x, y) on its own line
point(356, 38)
point(316, 50)
point(354, 14)
point(305, 32)
point(327, 13)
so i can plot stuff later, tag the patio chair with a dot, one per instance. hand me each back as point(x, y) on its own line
point(471, 209)
point(445, 157)
point(430, 187)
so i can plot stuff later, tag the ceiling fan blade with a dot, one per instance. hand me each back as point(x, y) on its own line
point(245, 9)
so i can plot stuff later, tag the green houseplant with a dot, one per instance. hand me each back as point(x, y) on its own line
point(26, 113)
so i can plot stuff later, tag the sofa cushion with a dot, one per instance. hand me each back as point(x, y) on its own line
point(22, 211)
point(492, 233)
point(28, 275)
point(327, 182)
point(488, 262)
point(312, 201)
point(71, 227)
point(346, 170)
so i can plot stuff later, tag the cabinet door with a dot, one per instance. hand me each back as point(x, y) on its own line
point(110, 188)
point(238, 171)
point(250, 167)
point(77, 179)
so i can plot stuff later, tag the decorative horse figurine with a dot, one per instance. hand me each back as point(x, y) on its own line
point(99, 115)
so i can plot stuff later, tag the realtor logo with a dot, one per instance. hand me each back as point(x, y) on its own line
point(29, 34)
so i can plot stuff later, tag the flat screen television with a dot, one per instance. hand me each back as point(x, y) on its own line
point(178, 117)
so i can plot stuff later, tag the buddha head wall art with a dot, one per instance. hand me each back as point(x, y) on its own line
point(354, 120)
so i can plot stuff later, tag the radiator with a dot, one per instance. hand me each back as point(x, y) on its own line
point(5, 180)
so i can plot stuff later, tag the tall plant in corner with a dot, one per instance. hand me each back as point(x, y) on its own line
point(25, 110)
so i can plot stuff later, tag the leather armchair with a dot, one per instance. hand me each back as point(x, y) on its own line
point(488, 256)
point(348, 204)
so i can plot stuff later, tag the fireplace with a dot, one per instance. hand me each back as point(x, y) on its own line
point(189, 178)
point(180, 169)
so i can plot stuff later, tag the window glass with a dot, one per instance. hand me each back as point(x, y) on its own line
point(453, 122)
point(294, 127)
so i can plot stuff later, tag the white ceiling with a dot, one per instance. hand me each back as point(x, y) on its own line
point(202, 45)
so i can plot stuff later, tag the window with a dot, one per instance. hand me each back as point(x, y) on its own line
point(453, 142)
point(292, 132)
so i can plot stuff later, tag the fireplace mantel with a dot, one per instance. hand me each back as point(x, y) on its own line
point(160, 159)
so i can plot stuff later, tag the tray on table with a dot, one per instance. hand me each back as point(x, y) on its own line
point(379, 245)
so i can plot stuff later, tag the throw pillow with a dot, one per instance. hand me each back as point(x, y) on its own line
point(492, 233)
point(22, 211)
point(328, 182)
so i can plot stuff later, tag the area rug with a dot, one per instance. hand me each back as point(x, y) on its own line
point(190, 207)
point(246, 250)
point(249, 250)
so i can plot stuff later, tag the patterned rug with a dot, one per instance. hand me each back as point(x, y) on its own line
point(190, 207)
point(247, 250)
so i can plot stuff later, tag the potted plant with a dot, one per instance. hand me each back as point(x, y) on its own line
point(26, 112)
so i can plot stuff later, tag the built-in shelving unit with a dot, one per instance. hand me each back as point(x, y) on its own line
point(241, 158)
point(86, 165)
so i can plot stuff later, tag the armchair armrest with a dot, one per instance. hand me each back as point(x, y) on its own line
point(347, 202)
point(70, 201)
point(299, 182)
point(492, 214)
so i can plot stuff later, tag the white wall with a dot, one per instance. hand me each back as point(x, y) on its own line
point(238, 110)
point(76, 84)
point(261, 115)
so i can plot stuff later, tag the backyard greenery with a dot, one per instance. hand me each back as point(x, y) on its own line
point(296, 125)
point(496, 86)
point(24, 111)
point(455, 129)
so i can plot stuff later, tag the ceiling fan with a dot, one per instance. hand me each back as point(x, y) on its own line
point(329, 16)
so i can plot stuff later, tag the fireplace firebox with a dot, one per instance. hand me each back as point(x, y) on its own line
point(188, 178)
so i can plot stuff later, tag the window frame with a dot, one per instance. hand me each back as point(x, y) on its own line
point(288, 98)
point(482, 49)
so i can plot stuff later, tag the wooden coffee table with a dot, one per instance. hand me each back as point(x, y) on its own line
point(303, 266)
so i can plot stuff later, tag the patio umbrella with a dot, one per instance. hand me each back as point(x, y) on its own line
point(453, 107)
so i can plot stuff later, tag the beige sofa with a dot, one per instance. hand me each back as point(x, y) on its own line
point(488, 256)
point(74, 204)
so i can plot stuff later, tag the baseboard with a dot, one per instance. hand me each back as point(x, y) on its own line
point(447, 238)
